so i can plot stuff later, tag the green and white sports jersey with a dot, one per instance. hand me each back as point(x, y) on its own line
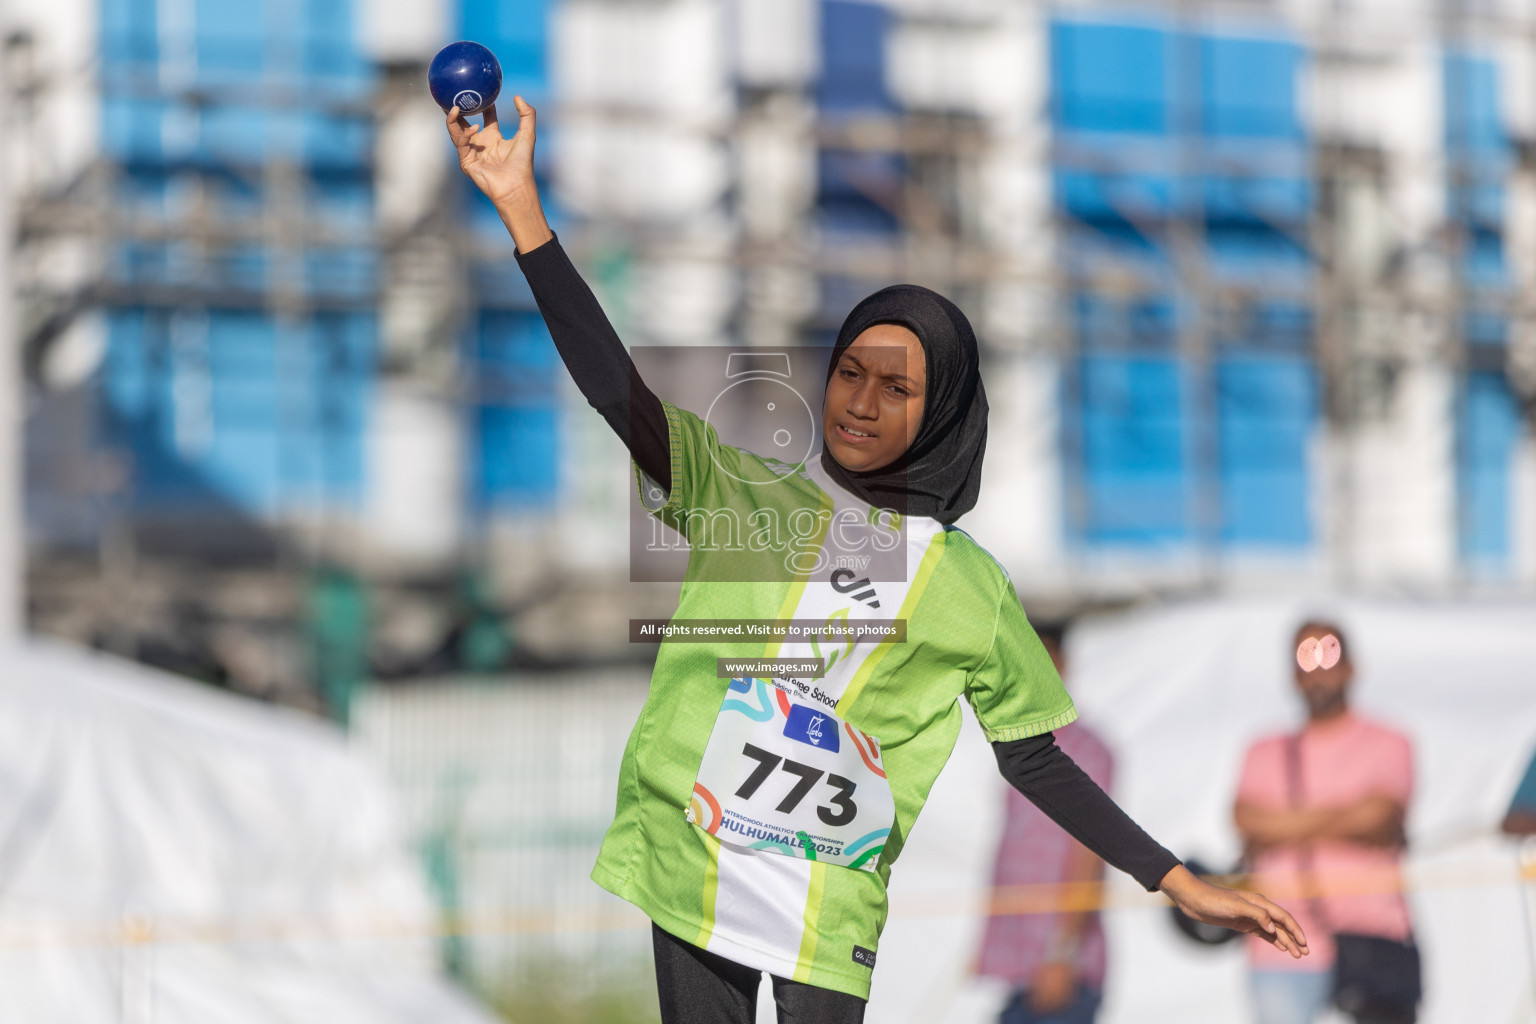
point(760, 820)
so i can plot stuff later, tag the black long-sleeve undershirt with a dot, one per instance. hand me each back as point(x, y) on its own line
point(597, 360)
point(607, 378)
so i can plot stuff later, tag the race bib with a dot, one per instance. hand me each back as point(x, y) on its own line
point(791, 777)
point(781, 771)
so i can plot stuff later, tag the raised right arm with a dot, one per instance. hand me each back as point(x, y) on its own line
point(590, 348)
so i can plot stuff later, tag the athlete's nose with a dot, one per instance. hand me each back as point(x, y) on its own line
point(864, 403)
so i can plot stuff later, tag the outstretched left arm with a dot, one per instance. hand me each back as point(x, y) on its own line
point(1053, 782)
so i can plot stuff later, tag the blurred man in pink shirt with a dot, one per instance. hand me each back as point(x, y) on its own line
point(1322, 812)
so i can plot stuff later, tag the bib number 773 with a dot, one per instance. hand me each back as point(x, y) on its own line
point(842, 809)
point(792, 778)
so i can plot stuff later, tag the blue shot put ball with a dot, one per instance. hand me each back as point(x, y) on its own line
point(466, 74)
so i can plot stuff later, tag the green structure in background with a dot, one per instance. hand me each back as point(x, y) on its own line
point(441, 848)
point(336, 621)
point(481, 641)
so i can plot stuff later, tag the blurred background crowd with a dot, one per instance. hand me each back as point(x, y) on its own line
point(1255, 283)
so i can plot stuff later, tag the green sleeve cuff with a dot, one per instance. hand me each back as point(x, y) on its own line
point(674, 502)
point(1023, 732)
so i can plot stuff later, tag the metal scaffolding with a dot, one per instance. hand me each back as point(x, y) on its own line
point(967, 181)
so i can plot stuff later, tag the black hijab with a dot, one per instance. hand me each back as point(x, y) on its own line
point(939, 476)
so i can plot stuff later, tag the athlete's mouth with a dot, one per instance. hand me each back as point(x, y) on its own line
point(851, 435)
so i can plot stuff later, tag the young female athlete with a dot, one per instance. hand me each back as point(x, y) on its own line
point(758, 820)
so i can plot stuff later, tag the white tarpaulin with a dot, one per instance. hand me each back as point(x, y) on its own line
point(173, 854)
point(1179, 692)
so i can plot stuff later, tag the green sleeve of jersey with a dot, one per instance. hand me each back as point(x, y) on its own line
point(1015, 691)
point(696, 454)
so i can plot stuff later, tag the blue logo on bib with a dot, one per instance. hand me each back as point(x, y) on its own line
point(812, 727)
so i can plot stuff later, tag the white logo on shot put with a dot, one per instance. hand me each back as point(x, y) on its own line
point(468, 101)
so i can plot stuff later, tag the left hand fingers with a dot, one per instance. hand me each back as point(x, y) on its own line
point(456, 125)
point(460, 130)
point(1278, 925)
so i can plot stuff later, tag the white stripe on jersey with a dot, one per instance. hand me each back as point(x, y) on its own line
point(761, 895)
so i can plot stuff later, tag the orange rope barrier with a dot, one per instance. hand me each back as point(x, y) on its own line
point(143, 930)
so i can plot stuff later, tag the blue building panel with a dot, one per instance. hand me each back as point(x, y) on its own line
point(517, 32)
point(126, 373)
point(859, 193)
point(1148, 323)
point(1249, 87)
point(130, 37)
point(1256, 198)
point(340, 199)
point(517, 412)
point(232, 42)
point(236, 193)
point(1277, 325)
point(1473, 119)
point(234, 412)
point(1483, 260)
point(243, 267)
point(518, 456)
point(1135, 480)
point(1266, 510)
point(1267, 413)
point(1252, 248)
point(1485, 328)
point(1122, 94)
point(1097, 240)
point(330, 56)
point(240, 135)
point(335, 142)
point(1276, 388)
point(1110, 197)
point(132, 129)
point(351, 272)
point(1109, 77)
point(1489, 430)
point(245, 466)
point(853, 72)
point(1123, 444)
point(514, 423)
point(1136, 510)
point(1480, 151)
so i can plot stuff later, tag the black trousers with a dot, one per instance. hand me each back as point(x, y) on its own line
point(700, 987)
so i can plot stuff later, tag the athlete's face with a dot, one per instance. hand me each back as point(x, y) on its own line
point(875, 398)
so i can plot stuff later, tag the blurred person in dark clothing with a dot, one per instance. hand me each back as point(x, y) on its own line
point(1322, 814)
point(1521, 819)
point(1052, 955)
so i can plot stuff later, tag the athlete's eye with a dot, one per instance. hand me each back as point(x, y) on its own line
point(848, 374)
